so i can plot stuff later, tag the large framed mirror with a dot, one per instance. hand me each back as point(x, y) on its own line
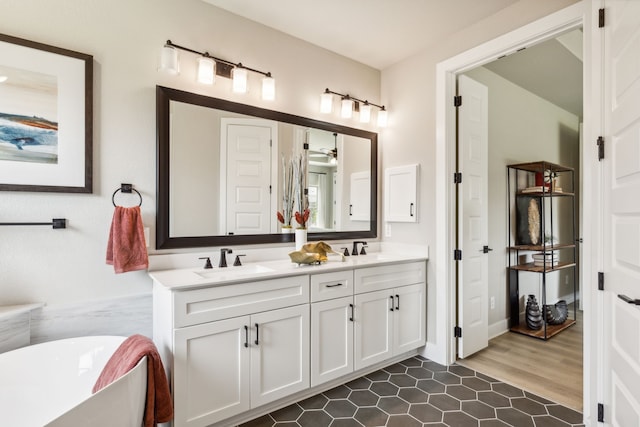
point(220, 173)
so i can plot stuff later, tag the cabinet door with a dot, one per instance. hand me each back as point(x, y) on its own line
point(279, 353)
point(409, 323)
point(331, 339)
point(373, 327)
point(400, 190)
point(206, 356)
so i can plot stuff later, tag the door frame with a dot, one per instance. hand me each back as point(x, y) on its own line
point(442, 346)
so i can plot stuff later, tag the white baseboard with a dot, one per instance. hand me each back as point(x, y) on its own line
point(498, 328)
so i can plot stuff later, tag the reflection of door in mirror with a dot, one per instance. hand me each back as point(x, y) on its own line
point(248, 173)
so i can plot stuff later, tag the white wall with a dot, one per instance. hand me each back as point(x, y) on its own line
point(522, 128)
point(408, 90)
point(125, 38)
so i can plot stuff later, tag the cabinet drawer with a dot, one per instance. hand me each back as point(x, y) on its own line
point(223, 302)
point(389, 276)
point(331, 285)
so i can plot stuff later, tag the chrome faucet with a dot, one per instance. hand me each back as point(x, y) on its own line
point(223, 256)
point(355, 248)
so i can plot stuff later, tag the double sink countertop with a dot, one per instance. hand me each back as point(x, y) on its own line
point(192, 278)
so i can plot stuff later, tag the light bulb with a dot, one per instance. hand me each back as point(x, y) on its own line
point(268, 88)
point(382, 118)
point(169, 60)
point(239, 80)
point(365, 113)
point(206, 70)
point(326, 102)
point(347, 108)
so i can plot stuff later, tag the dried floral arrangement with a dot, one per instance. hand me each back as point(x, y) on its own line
point(300, 189)
point(288, 198)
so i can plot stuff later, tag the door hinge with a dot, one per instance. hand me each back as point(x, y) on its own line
point(600, 143)
point(600, 413)
point(457, 332)
point(457, 254)
point(457, 178)
point(600, 281)
point(457, 100)
point(601, 18)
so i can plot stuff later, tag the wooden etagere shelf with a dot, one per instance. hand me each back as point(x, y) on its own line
point(533, 192)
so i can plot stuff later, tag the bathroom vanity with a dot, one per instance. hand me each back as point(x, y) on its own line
point(246, 340)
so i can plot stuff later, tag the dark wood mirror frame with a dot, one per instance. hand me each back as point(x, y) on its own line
point(163, 239)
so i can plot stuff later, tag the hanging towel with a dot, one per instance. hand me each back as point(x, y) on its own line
point(158, 407)
point(127, 249)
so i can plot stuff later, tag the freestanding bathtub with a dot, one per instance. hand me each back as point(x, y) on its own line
point(50, 385)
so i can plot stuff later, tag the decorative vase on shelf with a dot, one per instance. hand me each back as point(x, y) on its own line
point(301, 238)
point(533, 314)
point(286, 229)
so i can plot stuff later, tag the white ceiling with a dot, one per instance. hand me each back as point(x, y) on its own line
point(380, 33)
point(377, 33)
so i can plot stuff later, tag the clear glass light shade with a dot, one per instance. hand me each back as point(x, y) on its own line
point(382, 118)
point(206, 70)
point(239, 76)
point(365, 113)
point(347, 109)
point(326, 103)
point(169, 60)
point(268, 88)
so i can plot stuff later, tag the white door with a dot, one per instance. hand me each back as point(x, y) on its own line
point(373, 319)
point(279, 353)
point(248, 178)
point(331, 339)
point(473, 287)
point(206, 356)
point(360, 196)
point(621, 186)
point(410, 322)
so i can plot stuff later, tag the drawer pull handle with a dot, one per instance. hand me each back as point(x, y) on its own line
point(397, 302)
point(335, 285)
point(629, 300)
point(391, 296)
point(257, 341)
point(411, 209)
point(246, 336)
point(352, 313)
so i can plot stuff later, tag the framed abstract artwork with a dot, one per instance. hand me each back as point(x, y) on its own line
point(46, 118)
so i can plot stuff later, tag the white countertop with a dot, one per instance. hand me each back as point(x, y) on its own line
point(192, 278)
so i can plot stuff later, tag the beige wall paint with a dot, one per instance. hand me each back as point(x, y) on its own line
point(523, 128)
point(125, 38)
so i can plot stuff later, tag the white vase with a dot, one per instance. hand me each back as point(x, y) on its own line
point(301, 238)
point(286, 230)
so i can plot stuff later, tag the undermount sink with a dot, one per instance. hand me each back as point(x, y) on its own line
point(230, 272)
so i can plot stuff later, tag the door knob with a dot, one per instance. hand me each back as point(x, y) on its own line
point(486, 249)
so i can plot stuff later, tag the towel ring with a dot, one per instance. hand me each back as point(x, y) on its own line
point(126, 188)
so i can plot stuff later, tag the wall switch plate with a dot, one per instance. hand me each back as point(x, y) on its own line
point(492, 302)
point(387, 229)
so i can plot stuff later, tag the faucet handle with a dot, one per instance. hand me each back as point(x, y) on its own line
point(207, 263)
point(237, 262)
point(346, 251)
point(362, 251)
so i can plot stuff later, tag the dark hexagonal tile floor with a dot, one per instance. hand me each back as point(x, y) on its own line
point(420, 393)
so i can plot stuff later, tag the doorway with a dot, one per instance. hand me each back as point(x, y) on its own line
point(545, 29)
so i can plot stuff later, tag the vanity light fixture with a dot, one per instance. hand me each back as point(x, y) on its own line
point(349, 104)
point(209, 67)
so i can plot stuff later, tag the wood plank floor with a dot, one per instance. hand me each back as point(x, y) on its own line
point(550, 369)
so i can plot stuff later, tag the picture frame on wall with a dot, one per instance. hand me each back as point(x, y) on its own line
point(46, 118)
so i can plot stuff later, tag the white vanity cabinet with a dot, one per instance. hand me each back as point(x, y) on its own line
point(331, 326)
point(222, 365)
point(390, 311)
point(234, 347)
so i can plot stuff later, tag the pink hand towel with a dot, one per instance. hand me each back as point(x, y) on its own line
point(126, 249)
point(158, 407)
